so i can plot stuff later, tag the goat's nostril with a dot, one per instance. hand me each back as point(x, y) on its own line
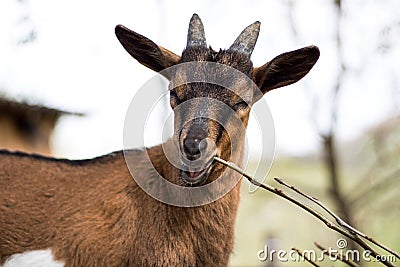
point(203, 145)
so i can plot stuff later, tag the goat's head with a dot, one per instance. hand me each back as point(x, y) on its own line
point(207, 115)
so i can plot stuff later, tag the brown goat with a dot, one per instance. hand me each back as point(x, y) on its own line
point(92, 213)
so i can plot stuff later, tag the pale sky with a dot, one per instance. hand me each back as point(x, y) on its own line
point(77, 63)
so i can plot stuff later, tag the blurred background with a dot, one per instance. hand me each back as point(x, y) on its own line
point(66, 83)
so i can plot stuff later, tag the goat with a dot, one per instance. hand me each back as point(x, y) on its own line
point(92, 213)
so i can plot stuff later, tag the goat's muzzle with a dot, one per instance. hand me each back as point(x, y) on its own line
point(197, 157)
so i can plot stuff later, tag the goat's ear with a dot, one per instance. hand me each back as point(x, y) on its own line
point(285, 69)
point(145, 50)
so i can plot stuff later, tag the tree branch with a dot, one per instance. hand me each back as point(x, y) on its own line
point(342, 223)
point(347, 231)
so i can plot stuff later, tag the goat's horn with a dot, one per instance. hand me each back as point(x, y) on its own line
point(196, 36)
point(247, 39)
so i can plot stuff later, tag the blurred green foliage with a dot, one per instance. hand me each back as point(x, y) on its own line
point(370, 175)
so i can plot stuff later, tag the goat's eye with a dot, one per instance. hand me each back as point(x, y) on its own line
point(240, 106)
point(173, 94)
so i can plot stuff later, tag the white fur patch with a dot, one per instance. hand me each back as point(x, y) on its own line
point(34, 258)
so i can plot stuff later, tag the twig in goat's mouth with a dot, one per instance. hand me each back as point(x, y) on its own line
point(236, 168)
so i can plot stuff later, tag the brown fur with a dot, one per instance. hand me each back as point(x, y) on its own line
point(92, 213)
point(102, 218)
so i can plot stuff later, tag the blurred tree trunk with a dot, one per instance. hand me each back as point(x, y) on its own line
point(336, 191)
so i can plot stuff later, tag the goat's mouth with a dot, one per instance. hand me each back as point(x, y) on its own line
point(196, 176)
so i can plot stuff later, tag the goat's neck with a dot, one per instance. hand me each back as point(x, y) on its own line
point(207, 230)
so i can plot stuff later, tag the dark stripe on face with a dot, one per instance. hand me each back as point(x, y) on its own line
point(187, 118)
point(181, 125)
point(221, 124)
